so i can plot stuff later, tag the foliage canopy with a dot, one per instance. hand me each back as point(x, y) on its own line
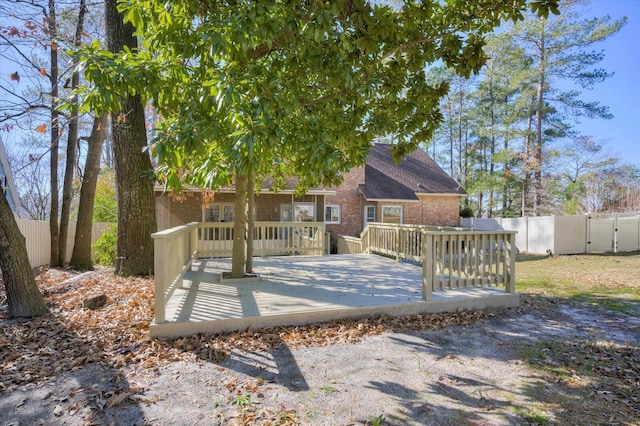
point(249, 88)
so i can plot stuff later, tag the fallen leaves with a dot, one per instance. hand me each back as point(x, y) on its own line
point(606, 373)
point(218, 347)
point(71, 337)
point(117, 334)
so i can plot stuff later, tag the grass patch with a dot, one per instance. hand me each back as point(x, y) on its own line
point(328, 390)
point(611, 281)
point(534, 418)
point(241, 401)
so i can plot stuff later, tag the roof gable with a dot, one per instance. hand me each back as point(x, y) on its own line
point(417, 173)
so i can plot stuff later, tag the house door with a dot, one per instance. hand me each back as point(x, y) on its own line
point(286, 212)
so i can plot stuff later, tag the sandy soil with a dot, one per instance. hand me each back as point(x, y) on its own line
point(457, 375)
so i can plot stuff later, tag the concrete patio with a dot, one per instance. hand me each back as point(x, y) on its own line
point(296, 290)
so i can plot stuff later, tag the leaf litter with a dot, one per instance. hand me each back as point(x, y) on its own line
point(117, 335)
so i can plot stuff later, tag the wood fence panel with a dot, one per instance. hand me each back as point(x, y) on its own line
point(38, 239)
point(520, 225)
point(601, 235)
point(570, 234)
point(628, 235)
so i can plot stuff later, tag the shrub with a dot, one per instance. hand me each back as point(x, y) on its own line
point(106, 247)
point(466, 211)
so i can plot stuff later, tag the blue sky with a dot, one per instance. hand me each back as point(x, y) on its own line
point(621, 93)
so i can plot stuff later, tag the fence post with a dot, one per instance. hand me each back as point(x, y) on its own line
point(398, 243)
point(615, 233)
point(526, 234)
point(427, 266)
point(588, 234)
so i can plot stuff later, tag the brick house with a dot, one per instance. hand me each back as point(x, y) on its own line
point(416, 191)
point(195, 205)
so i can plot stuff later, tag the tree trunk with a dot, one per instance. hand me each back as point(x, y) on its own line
point(23, 296)
point(81, 257)
point(238, 258)
point(250, 224)
point(55, 135)
point(537, 149)
point(492, 148)
point(526, 187)
point(72, 145)
point(460, 109)
point(107, 152)
point(134, 174)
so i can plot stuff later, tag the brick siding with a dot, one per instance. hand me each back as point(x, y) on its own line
point(430, 209)
point(174, 211)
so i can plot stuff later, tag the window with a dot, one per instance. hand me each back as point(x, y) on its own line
point(219, 212)
point(392, 214)
point(369, 214)
point(304, 212)
point(331, 214)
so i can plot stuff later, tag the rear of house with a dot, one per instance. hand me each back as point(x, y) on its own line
point(202, 206)
point(415, 191)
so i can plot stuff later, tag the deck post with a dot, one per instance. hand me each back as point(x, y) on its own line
point(160, 266)
point(398, 243)
point(510, 264)
point(427, 266)
point(193, 247)
point(321, 240)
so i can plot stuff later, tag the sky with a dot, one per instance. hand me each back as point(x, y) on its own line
point(621, 93)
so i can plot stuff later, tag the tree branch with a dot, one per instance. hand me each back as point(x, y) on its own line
point(12, 44)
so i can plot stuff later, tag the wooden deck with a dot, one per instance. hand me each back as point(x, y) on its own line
point(296, 290)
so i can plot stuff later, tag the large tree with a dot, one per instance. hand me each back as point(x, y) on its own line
point(561, 49)
point(134, 174)
point(23, 296)
point(248, 88)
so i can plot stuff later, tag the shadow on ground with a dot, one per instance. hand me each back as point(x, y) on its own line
point(74, 382)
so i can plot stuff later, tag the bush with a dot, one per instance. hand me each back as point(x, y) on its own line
point(106, 247)
point(466, 211)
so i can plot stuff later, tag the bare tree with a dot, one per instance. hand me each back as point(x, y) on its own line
point(81, 257)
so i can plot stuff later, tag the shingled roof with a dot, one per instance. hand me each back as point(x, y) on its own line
point(416, 174)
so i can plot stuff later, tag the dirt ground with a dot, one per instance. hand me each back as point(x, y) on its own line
point(500, 369)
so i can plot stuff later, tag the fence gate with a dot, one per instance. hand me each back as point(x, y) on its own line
point(628, 234)
point(601, 235)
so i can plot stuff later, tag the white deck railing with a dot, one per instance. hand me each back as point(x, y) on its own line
point(174, 251)
point(269, 238)
point(176, 248)
point(451, 258)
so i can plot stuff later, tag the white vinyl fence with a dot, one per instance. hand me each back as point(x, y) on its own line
point(595, 233)
point(38, 239)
